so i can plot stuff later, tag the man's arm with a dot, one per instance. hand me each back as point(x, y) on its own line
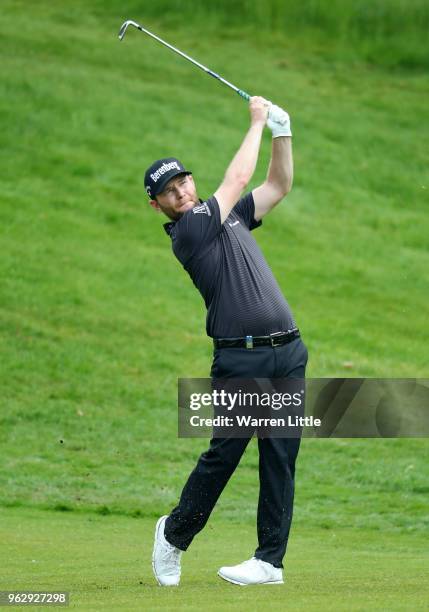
point(242, 167)
point(280, 172)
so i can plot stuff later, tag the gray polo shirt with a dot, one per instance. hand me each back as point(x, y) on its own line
point(227, 267)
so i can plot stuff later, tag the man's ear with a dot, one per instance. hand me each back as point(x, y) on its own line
point(155, 205)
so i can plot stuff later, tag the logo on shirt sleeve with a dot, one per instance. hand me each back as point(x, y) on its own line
point(202, 209)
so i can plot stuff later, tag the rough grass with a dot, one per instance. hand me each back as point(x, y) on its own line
point(391, 33)
point(99, 320)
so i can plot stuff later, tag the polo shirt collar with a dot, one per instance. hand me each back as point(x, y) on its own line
point(169, 226)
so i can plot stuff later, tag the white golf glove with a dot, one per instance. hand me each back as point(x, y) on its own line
point(278, 121)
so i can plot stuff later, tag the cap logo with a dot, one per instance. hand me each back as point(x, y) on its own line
point(163, 169)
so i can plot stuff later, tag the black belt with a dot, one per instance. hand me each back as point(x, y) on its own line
point(249, 342)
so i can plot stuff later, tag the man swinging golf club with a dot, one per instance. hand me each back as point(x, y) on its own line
point(254, 334)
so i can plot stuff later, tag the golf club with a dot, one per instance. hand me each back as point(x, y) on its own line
point(123, 30)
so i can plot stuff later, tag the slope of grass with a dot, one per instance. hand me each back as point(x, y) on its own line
point(391, 33)
point(98, 320)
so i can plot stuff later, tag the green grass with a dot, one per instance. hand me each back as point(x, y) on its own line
point(392, 33)
point(105, 563)
point(98, 320)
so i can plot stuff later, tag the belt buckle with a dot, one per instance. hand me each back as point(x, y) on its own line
point(249, 342)
point(274, 336)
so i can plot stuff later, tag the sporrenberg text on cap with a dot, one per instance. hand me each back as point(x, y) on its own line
point(160, 172)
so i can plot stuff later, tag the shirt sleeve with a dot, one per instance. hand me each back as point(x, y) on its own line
point(195, 232)
point(245, 208)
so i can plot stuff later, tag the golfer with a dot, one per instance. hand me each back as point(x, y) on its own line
point(254, 335)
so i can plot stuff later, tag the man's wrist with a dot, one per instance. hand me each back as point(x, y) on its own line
point(258, 124)
point(281, 132)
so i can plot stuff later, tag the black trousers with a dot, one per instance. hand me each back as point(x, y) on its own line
point(277, 458)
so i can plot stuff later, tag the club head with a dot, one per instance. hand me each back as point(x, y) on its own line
point(124, 27)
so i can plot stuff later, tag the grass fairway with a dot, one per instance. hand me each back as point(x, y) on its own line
point(105, 563)
point(98, 320)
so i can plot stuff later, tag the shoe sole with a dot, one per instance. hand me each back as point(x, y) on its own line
point(158, 525)
point(246, 583)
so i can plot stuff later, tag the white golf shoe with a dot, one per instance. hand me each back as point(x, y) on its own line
point(165, 558)
point(253, 571)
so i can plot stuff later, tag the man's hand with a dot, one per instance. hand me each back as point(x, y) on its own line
point(258, 108)
point(278, 122)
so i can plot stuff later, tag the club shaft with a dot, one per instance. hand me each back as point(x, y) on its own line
point(123, 29)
